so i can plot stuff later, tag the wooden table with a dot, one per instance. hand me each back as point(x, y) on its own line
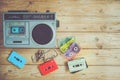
point(96, 27)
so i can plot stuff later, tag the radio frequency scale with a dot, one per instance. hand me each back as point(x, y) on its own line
point(29, 29)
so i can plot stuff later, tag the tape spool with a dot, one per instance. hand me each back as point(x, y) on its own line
point(75, 48)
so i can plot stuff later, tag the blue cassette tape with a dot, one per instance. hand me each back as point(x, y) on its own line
point(17, 59)
point(17, 30)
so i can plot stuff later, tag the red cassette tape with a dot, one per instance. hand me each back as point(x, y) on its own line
point(48, 67)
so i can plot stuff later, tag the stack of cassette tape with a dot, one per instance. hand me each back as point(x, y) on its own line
point(70, 49)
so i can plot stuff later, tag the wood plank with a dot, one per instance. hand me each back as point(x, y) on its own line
point(90, 40)
point(94, 40)
point(28, 5)
point(89, 24)
point(90, 8)
point(30, 72)
point(73, 7)
point(92, 56)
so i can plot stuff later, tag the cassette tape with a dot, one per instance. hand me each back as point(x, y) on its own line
point(74, 47)
point(65, 46)
point(77, 65)
point(48, 67)
point(72, 51)
point(17, 30)
point(17, 59)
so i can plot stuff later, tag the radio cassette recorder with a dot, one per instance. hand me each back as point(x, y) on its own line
point(29, 29)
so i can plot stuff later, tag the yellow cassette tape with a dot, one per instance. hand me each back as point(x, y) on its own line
point(65, 46)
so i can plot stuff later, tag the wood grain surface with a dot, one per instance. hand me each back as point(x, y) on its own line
point(94, 23)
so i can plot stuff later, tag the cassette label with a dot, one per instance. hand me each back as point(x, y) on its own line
point(77, 65)
point(48, 67)
point(17, 59)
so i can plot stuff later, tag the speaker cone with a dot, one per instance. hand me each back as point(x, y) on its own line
point(42, 34)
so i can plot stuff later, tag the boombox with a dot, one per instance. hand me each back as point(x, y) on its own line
point(29, 29)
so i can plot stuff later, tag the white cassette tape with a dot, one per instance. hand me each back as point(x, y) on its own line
point(77, 65)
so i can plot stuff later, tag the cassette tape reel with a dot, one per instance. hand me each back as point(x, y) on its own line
point(29, 29)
